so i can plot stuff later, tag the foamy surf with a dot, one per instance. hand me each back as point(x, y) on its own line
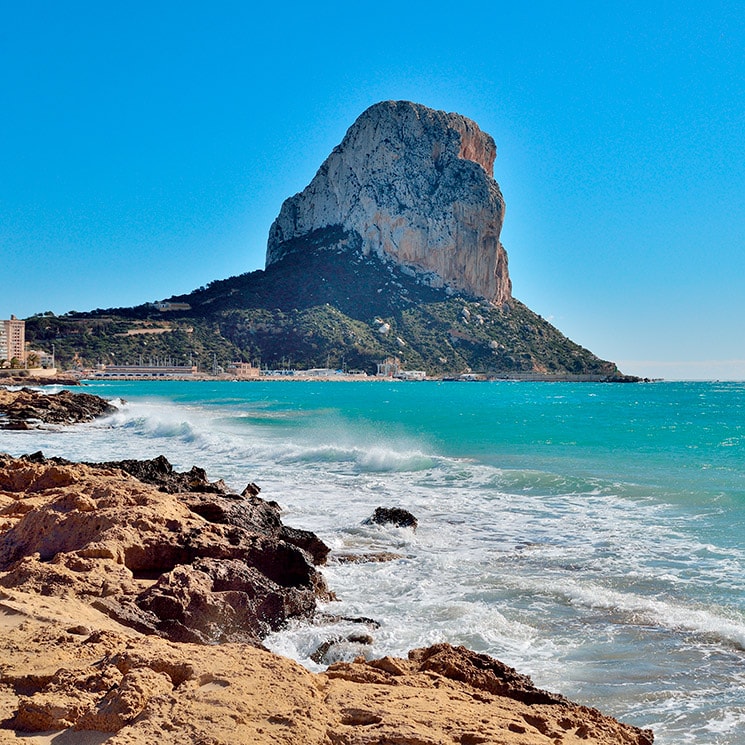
point(582, 539)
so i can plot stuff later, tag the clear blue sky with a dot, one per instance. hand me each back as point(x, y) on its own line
point(146, 147)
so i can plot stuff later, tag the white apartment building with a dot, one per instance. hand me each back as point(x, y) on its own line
point(12, 339)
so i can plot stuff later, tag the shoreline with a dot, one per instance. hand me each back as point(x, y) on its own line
point(64, 597)
point(371, 379)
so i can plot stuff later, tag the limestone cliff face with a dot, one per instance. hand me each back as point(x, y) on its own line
point(417, 186)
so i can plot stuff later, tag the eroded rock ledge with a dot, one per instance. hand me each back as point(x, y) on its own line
point(193, 565)
point(107, 583)
point(27, 408)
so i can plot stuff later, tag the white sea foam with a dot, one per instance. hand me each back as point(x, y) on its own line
point(632, 608)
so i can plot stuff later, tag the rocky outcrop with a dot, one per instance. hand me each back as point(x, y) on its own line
point(70, 670)
point(125, 617)
point(393, 516)
point(147, 558)
point(159, 472)
point(29, 377)
point(26, 408)
point(211, 500)
point(413, 185)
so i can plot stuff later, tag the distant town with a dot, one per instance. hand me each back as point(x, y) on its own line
point(16, 356)
point(18, 360)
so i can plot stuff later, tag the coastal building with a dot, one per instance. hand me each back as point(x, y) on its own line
point(412, 375)
point(39, 358)
point(243, 371)
point(166, 306)
point(389, 368)
point(321, 372)
point(13, 340)
point(145, 372)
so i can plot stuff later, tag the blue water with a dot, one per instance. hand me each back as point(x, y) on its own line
point(590, 535)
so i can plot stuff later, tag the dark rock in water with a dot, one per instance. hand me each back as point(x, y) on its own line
point(342, 645)
point(319, 654)
point(393, 516)
point(26, 407)
point(15, 424)
point(331, 618)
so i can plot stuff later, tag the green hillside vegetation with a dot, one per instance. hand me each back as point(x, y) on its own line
point(325, 304)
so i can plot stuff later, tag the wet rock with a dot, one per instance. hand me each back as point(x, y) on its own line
point(393, 516)
point(159, 472)
point(332, 618)
point(26, 408)
point(340, 646)
point(365, 558)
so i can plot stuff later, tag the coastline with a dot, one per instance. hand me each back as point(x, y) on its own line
point(341, 378)
point(56, 615)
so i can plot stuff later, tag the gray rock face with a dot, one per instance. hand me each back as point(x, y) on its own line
point(417, 186)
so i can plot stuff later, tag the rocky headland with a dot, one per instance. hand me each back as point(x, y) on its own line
point(393, 250)
point(27, 408)
point(133, 604)
point(414, 186)
point(31, 377)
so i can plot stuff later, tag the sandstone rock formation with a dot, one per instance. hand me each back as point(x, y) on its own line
point(413, 185)
point(146, 558)
point(24, 408)
point(73, 674)
point(101, 573)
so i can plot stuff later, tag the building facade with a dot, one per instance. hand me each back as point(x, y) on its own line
point(145, 371)
point(13, 340)
point(243, 370)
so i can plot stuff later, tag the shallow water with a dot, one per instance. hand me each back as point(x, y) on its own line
point(589, 535)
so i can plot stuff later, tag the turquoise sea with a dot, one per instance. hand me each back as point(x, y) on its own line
point(590, 535)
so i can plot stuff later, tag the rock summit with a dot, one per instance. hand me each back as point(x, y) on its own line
point(412, 185)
